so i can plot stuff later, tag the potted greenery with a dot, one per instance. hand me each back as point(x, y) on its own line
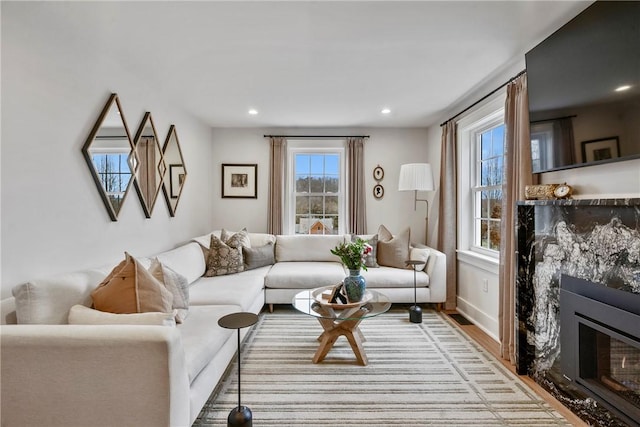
point(352, 255)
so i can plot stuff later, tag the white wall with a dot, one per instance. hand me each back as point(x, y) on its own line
point(611, 180)
point(614, 180)
point(53, 219)
point(386, 147)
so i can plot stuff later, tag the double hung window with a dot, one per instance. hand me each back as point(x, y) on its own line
point(481, 141)
point(316, 190)
point(487, 188)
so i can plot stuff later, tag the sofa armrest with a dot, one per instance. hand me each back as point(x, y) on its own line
point(107, 375)
point(436, 268)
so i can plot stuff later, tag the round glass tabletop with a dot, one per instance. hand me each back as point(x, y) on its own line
point(314, 302)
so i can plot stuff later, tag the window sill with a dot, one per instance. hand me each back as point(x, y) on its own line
point(475, 259)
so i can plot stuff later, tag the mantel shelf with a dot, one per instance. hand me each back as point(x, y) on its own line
point(635, 201)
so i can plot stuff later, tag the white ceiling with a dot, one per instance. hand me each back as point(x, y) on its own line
point(312, 63)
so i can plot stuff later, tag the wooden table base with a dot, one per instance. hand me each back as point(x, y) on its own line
point(333, 329)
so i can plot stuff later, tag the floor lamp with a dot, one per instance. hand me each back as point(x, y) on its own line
point(416, 177)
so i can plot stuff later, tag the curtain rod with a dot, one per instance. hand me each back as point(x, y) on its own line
point(316, 136)
point(484, 97)
point(552, 119)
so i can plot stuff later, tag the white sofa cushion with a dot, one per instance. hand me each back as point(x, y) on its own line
point(48, 301)
point(202, 338)
point(235, 289)
point(81, 315)
point(187, 260)
point(310, 247)
point(391, 277)
point(304, 275)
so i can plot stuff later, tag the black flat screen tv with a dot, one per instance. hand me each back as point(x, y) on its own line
point(584, 89)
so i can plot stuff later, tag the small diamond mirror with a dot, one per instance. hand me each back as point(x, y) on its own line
point(176, 175)
point(108, 152)
point(148, 164)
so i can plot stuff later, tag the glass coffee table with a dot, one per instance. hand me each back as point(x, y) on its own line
point(340, 319)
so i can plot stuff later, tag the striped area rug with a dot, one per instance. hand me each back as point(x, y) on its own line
point(428, 374)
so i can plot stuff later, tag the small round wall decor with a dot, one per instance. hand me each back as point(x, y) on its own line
point(378, 191)
point(378, 173)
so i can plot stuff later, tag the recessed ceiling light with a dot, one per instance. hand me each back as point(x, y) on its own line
point(622, 88)
point(385, 111)
point(253, 111)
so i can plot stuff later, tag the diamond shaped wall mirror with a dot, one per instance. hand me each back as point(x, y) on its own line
point(148, 164)
point(108, 154)
point(176, 175)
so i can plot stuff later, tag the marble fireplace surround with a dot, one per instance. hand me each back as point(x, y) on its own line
point(596, 240)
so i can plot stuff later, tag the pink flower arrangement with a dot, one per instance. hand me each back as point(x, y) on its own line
point(353, 254)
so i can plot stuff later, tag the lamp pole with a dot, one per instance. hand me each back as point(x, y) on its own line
point(426, 216)
point(415, 312)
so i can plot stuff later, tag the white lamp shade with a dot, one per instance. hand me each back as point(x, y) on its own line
point(416, 176)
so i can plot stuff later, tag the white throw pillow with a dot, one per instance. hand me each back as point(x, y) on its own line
point(419, 254)
point(81, 315)
point(48, 300)
point(177, 284)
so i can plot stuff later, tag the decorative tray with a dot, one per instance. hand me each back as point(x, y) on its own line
point(321, 295)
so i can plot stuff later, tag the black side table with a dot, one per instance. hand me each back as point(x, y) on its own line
point(415, 312)
point(241, 415)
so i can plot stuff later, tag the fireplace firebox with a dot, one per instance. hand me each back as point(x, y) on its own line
point(600, 342)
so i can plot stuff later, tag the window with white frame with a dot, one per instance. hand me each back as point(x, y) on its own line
point(315, 193)
point(481, 138)
point(487, 188)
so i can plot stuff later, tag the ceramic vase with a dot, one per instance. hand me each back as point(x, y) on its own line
point(354, 286)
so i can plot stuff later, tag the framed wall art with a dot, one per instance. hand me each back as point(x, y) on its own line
point(378, 173)
point(600, 149)
point(378, 191)
point(240, 181)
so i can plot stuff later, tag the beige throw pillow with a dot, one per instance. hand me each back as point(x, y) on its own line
point(130, 288)
point(393, 251)
point(241, 236)
point(225, 257)
point(177, 284)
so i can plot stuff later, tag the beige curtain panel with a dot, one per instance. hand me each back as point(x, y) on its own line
point(356, 192)
point(277, 164)
point(448, 211)
point(517, 169)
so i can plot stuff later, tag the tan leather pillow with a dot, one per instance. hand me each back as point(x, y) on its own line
point(130, 288)
point(393, 251)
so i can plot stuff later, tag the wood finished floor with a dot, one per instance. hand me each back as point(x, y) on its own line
point(489, 344)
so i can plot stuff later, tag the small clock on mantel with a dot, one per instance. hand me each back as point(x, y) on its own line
point(562, 191)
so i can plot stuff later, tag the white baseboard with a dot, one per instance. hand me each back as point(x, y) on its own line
point(482, 320)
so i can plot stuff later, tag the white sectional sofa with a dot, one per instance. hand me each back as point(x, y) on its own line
point(305, 262)
point(59, 374)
